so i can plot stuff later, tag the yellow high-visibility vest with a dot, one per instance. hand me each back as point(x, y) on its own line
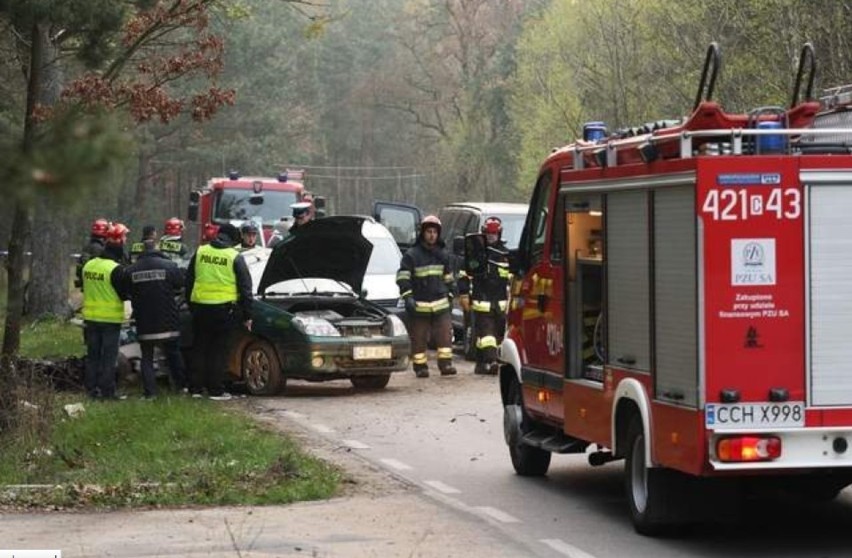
point(100, 301)
point(215, 279)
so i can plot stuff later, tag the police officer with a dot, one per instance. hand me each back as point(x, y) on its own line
point(171, 244)
point(218, 287)
point(149, 232)
point(302, 214)
point(248, 236)
point(427, 285)
point(153, 282)
point(486, 296)
point(103, 314)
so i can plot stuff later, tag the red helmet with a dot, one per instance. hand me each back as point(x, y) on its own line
point(174, 227)
point(100, 228)
point(430, 221)
point(117, 233)
point(493, 225)
point(210, 231)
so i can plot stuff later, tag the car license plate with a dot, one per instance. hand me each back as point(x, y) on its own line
point(371, 352)
point(744, 416)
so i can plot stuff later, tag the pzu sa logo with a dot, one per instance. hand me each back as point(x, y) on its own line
point(770, 179)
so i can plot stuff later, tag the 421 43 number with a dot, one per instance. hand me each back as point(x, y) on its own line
point(739, 204)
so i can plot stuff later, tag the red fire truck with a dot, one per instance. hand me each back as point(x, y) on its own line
point(236, 199)
point(683, 300)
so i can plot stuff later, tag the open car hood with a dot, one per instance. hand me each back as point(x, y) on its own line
point(330, 247)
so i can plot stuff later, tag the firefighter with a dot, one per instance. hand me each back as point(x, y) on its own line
point(248, 236)
point(149, 232)
point(427, 286)
point(486, 296)
point(209, 233)
point(302, 214)
point(94, 247)
point(171, 244)
point(103, 314)
point(116, 242)
point(218, 287)
point(153, 282)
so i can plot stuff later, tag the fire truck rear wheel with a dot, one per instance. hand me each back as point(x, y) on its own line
point(527, 460)
point(648, 488)
point(261, 369)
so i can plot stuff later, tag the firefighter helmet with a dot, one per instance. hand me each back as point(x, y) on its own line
point(118, 233)
point(430, 221)
point(210, 232)
point(493, 225)
point(100, 228)
point(174, 227)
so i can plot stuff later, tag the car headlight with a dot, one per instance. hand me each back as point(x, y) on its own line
point(316, 327)
point(396, 327)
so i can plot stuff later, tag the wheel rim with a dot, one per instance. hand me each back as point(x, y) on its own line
point(257, 369)
point(639, 474)
point(513, 416)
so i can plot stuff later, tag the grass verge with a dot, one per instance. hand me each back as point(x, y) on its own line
point(169, 452)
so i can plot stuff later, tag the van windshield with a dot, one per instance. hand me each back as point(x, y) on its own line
point(237, 205)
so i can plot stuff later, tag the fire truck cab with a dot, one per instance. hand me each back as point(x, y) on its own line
point(683, 300)
point(264, 200)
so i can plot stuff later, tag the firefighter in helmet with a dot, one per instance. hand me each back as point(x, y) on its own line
point(116, 243)
point(426, 283)
point(485, 296)
point(171, 244)
point(248, 236)
point(93, 248)
point(209, 233)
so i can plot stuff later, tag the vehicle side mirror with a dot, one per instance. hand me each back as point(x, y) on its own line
point(475, 254)
point(319, 202)
point(192, 210)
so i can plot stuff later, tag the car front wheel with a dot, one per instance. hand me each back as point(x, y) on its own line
point(261, 369)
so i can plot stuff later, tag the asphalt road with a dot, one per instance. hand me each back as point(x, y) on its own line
point(444, 435)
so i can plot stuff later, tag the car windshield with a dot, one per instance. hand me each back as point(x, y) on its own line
point(513, 226)
point(236, 205)
point(385, 257)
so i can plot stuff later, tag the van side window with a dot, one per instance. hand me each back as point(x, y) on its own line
point(535, 234)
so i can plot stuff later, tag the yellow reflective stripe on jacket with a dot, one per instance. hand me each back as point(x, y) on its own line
point(215, 279)
point(503, 272)
point(485, 306)
point(429, 270)
point(100, 301)
point(433, 306)
point(403, 274)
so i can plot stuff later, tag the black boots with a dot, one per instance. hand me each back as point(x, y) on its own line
point(421, 370)
point(446, 367)
point(487, 368)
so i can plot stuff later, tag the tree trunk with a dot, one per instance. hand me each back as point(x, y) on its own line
point(20, 236)
point(47, 292)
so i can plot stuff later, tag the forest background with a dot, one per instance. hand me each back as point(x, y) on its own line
point(424, 101)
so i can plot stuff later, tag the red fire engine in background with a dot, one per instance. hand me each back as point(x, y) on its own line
point(263, 200)
point(683, 300)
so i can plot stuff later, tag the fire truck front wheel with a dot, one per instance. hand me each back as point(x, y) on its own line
point(527, 460)
point(650, 491)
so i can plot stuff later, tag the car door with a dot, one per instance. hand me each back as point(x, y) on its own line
point(401, 219)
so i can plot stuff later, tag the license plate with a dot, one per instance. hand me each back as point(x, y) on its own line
point(371, 352)
point(744, 416)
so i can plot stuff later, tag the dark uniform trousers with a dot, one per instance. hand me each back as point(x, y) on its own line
point(212, 324)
